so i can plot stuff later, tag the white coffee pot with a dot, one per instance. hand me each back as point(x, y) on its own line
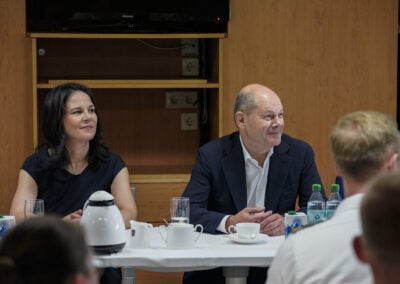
point(103, 223)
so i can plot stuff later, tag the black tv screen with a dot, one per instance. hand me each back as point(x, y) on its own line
point(127, 16)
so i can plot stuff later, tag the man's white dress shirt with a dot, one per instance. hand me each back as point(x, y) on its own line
point(256, 182)
point(323, 253)
point(256, 178)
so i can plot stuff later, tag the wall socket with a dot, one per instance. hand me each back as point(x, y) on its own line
point(190, 46)
point(189, 121)
point(181, 99)
point(190, 67)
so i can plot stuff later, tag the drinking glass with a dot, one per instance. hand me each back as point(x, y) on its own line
point(33, 208)
point(180, 209)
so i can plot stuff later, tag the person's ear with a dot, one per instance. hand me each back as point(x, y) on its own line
point(337, 169)
point(359, 249)
point(392, 164)
point(77, 278)
point(239, 119)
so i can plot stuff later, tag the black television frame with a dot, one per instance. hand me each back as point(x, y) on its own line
point(127, 16)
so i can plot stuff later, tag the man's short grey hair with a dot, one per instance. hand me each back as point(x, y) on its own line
point(245, 101)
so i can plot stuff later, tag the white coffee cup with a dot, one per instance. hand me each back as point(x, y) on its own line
point(245, 230)
point(139, 234)
point(181, 235)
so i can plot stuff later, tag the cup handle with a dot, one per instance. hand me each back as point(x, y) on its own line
point(199, 232)
point(162, 228)
point(230, 228)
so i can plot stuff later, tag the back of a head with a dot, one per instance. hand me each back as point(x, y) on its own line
point(43, 250)
point(361, 142)
point(379, 218)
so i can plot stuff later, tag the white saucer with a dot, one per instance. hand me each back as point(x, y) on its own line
point(261, 238)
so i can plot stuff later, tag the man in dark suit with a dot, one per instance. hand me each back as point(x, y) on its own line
point(253, 175)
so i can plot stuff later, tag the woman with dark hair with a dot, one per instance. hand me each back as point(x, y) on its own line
point(46, 250)
point(73, 162)
point(54, 132)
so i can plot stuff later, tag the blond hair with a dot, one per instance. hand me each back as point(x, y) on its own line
point(361, 141)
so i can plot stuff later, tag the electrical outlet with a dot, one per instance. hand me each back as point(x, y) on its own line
point(190, 67)
point(190, 46)
point(181, 99)
point(189, 121)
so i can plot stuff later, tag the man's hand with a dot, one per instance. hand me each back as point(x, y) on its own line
point(249, 214)
point(272, 224)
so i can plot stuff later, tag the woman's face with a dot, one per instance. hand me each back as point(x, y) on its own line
point(80, 118)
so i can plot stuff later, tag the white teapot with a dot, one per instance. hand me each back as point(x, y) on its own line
point(103, 223)
point(181, 235)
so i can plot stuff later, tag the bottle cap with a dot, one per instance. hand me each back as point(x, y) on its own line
point(335, 187)
point(292, 212)
point(316, 187)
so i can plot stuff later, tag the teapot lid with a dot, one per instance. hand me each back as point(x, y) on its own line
point(101, 198)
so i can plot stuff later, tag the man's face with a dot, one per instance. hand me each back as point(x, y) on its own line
point(263, 127)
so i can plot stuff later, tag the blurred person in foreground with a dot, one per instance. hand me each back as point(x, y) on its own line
point(46, 250)
point(364, 144)
point(252, 175)
point(73, 163)
point(379, 243)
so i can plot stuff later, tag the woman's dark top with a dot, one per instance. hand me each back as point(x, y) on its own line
point(65, 193)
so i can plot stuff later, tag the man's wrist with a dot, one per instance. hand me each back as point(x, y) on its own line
point(230, 221)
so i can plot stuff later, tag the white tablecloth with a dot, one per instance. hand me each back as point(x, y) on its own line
point(210, 251)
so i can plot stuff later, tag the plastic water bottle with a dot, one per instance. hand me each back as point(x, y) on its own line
point(333, 201)
point(316, 206)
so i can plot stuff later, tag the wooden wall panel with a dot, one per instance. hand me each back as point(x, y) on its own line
point(324, 59)
point(151, 277)
point(15, 98)
point(153, 200)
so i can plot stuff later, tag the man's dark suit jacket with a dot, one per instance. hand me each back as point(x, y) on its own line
point(218, 184)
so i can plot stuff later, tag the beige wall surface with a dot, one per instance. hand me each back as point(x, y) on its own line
point(324, 58)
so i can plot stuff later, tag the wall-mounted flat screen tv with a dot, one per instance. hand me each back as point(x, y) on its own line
point(127, 16)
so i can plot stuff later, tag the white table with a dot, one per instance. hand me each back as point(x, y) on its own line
point(211, 251)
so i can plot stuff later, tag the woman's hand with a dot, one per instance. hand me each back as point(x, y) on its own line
point(74, 217)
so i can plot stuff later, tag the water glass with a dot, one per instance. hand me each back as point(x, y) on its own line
point(33, 208)
point(180, 209)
